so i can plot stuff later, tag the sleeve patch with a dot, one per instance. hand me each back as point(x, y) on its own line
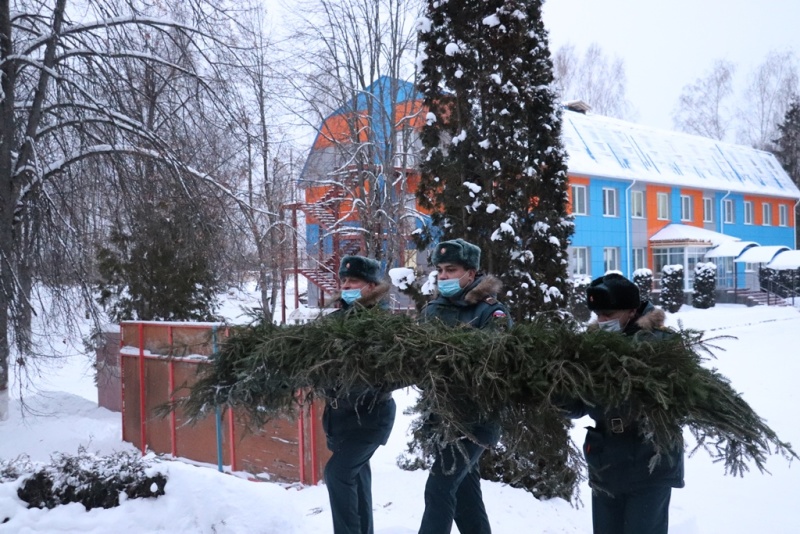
point(499, 313)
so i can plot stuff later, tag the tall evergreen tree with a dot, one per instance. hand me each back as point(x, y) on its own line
point(493, 169)
point(787, 146)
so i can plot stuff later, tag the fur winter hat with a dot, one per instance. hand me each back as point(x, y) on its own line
point(612, 292)
point(459, 252)
point(360, 267)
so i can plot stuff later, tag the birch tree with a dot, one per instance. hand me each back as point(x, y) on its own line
point(594, 77)
point(767, 94)
point(704, 107)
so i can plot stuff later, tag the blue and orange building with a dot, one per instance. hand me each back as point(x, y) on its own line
point(640, 197)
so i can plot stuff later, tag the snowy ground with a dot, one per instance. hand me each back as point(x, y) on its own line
point(762, 363)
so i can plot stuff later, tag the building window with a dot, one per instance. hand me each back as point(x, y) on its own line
point(579, 201)
point(687, 257)
point(708, 210)
point(639, 258)
point(637, 204)
point(766, 214)
point(783, 215)
point(611, 259)
point(686, 208)
point(727, 209)
point(579, 261)
point(609, 202)
point(662, 199)
point(748, 212)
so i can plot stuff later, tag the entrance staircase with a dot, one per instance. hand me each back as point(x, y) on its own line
point(757, 297)
point(321, 271)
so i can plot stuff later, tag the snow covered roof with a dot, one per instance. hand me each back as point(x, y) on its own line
point(788, 259)
point(730, 249)
point(606, 147)
point(683, 233)
point(760, 254)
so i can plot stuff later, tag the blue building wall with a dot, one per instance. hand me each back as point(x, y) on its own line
point(597, 231)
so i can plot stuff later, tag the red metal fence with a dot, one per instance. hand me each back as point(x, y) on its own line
point(159, 361)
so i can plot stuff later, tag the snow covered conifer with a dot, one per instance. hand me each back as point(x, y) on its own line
point(643, 278)
point(705, 285)
point(159, 267)
point(493, 168)
point(672, 288)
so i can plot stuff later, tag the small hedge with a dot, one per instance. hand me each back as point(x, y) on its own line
point(705, 285)
point(93, 481)
point(643, 278)
point(577, 299)
point(672, 297)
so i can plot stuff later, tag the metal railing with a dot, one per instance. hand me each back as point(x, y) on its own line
point(776, 290)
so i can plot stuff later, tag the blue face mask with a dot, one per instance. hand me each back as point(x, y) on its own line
point(448, 288)
point(610, 326)
point(351, 295)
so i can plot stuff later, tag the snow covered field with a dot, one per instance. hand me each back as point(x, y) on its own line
point(762, 363)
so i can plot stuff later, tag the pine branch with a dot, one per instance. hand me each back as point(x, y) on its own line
point(516, 375)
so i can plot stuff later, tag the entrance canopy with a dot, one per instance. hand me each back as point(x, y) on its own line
point(788, 259)
point(682, 234)
point(760, 254)
point(730, 249)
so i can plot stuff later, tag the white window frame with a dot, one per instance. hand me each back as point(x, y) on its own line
point(662, 201)
point(686, 208)
point(610, 207)
point(637, 204)
point(575, 264)
point(748, 212)
point(729, 211)
point(577, 209)
point(708, 210)
point(766, 214)
point(783, 215)
point(611, 259)
point(639, 258)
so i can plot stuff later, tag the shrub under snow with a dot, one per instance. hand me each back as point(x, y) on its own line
point(643, 278)
point(577, 299)
point(94, 481)
point(705, 285)
point(672, 288)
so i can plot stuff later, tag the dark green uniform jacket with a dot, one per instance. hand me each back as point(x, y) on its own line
point(477, 306)
point(367, 414)
point(617, 455)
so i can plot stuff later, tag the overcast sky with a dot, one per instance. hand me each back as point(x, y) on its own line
point(667, 44)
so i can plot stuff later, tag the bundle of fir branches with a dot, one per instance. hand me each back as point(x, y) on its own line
point(520, 376)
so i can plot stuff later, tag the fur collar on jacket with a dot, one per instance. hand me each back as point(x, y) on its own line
point(648, 318)
point(484, 286)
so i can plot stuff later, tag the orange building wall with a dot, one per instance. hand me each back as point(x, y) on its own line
point(337, 129)
point(758, 213)
point(651, 200)
point(697, 207)
point(575, 180)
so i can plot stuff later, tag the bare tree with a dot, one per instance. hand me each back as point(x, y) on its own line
point(766, 98)
point(355, 55)
point(595, 78)
point(703, 107)
point(58, 116)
